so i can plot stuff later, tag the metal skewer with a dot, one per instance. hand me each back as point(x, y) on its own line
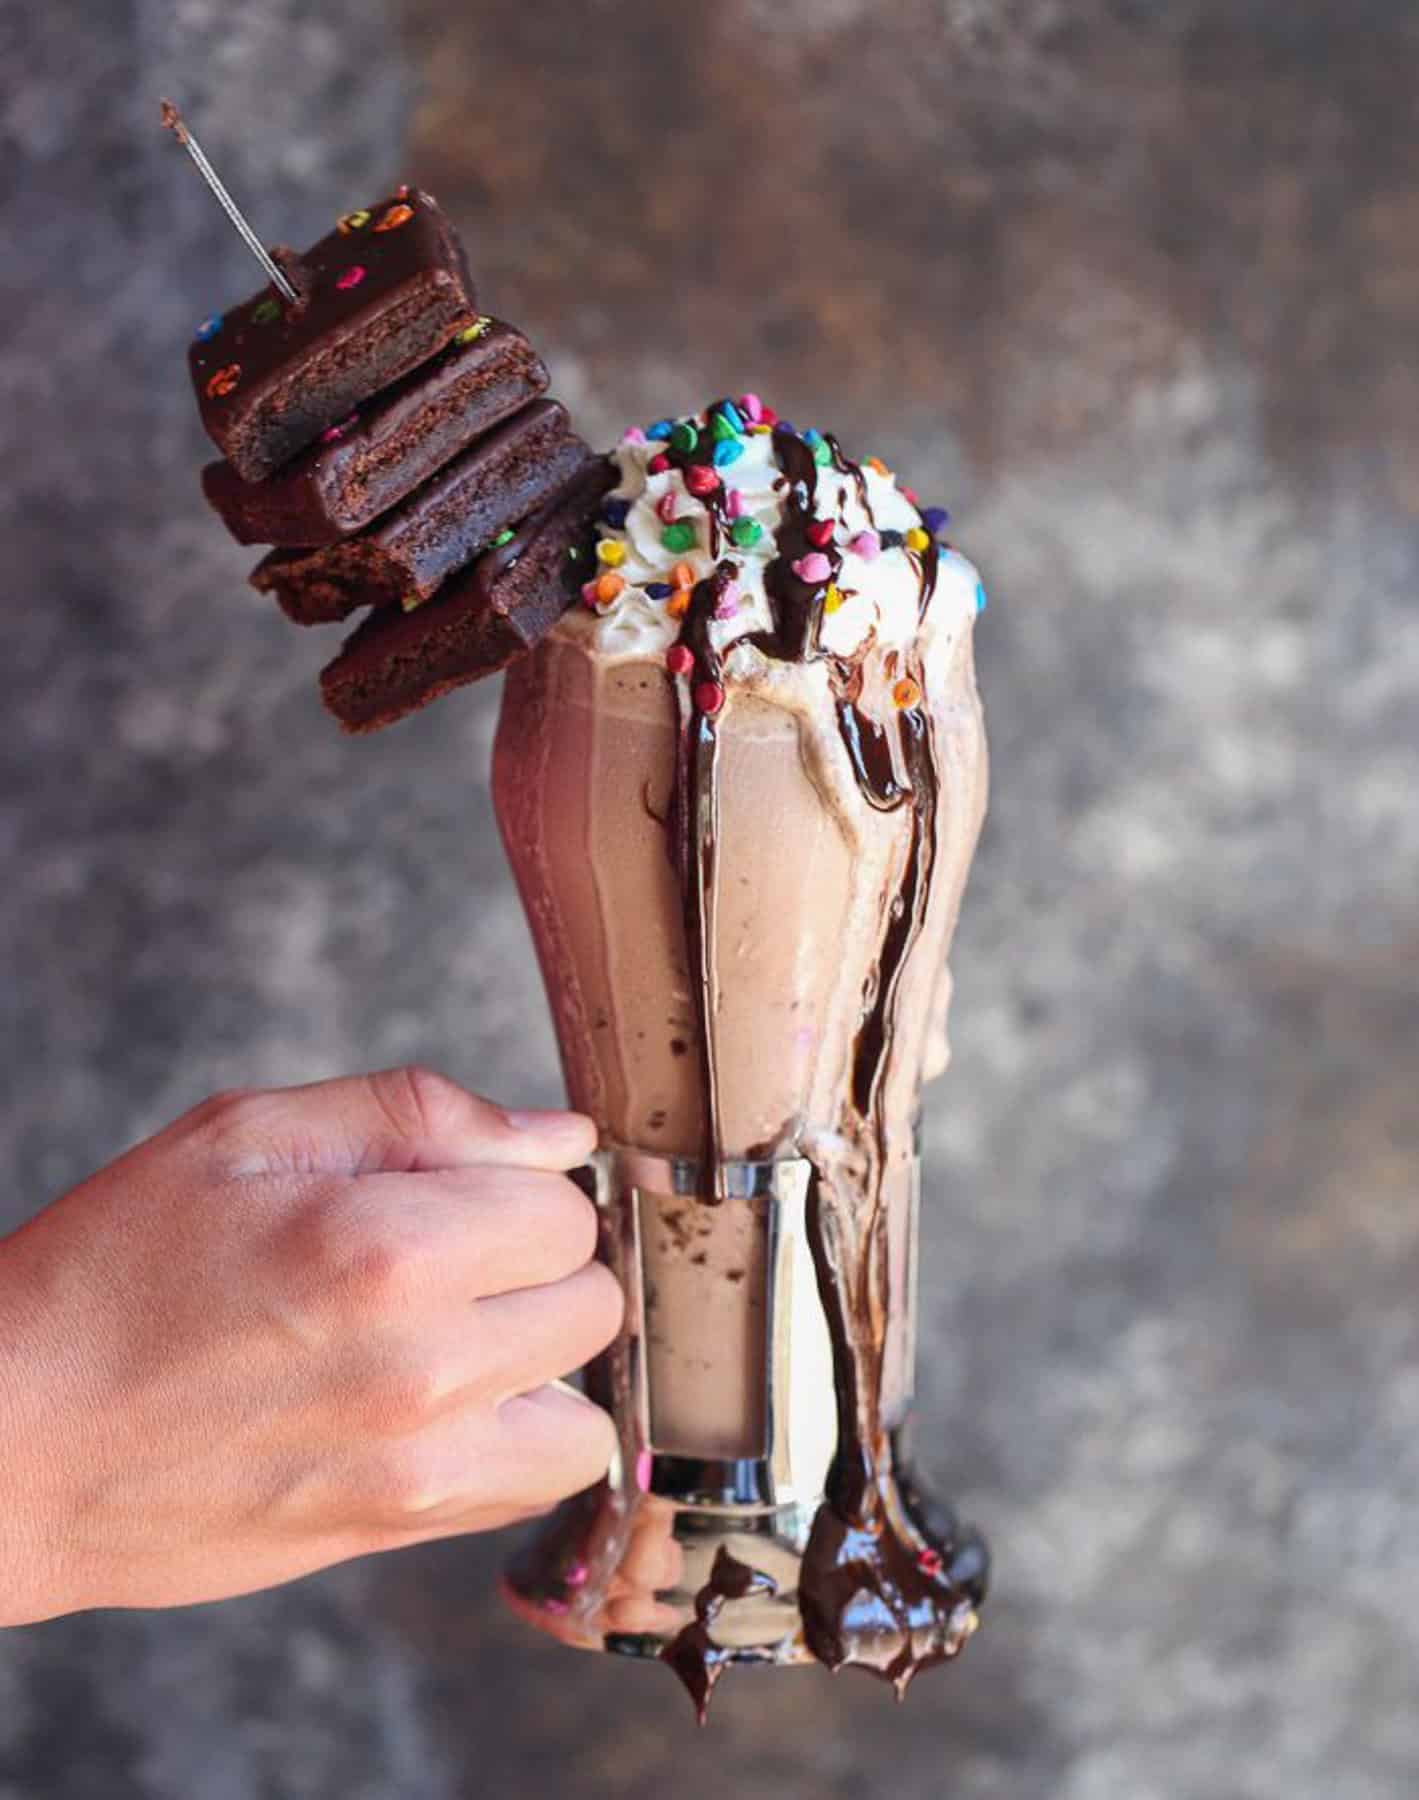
point(174, 122)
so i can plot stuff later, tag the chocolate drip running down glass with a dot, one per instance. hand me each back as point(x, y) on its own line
point(740, 790)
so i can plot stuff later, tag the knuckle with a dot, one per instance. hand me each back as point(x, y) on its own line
point(359, 1260)
point(403, 1394)
point(223, 1117)
point(417, 1101)
point(378, 1268)
point(403, 1485)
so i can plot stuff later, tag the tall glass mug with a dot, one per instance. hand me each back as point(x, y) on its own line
point(727, 1384)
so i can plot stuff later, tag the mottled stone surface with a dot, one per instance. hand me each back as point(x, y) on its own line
point(1130, 284)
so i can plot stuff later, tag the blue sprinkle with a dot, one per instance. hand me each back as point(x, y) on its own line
point(981, 602)
point(209, 328)
point(935, 519)
point(615, 513)
point(891, 540)
point(729, 451)
point(784, 425)
point(661, 430)
point(731, 414)
point(658, 590)
point(813, 437)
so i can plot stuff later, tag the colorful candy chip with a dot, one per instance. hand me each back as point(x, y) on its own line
point(209, 328)
point(709, 698)
point(667, 508)
point(353, 221)
point(820, 533)
point(395, 216)
point(609, 588)
point(833, 599)
point(679, 603)
point(684, 437)
point(866, 544)
point(907, 692)
point(678, 537)
point(615, 513)
point(752, 407)
point(726, 424)
point(701, 479)
point(981, 601)
point(658, 590)
point(746, 533)
point(935, 519)
point(611, 552)
point(890, 538)
point(929, 1562)
point(657, 465)
point(333, 434)
point(471, 333)
point(916, 539)
point(224, 382)
point(679, 659)
point(729, 450)
point(813, 568)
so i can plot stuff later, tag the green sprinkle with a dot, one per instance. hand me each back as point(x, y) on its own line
point(721, 430)
point(504, 537)
point(574, 554)
point(471, 333)
point(822, 455)
point(266, 313)
point(684, 437)
point(678, 537)
point(746, 532)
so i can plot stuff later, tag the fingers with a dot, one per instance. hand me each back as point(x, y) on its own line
point(398, 1119)
point(467, 1471)
point(467, 1233)
point(540, 1334)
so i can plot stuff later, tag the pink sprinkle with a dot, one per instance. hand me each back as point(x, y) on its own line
point(352, 276)
point(679, 659)
point(813, 568)
point(867, 545)
point(752, 407)
point(820, 532)
point(728, 607)
point(577, 1575)
point(911, 495)
point(733, 504)
point(658, 464)
point(634, 436)
point(588, 594)
point(336, 432)
point(555, 1606)
point(643, 1471)
point(665, 507)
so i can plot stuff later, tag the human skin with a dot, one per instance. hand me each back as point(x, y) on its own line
point(294, 1327)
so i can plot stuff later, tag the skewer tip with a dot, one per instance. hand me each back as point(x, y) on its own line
point(172, 121)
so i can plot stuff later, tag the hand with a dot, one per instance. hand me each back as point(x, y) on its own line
point(292, 1328)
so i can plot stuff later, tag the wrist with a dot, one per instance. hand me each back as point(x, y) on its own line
point(32, 1525)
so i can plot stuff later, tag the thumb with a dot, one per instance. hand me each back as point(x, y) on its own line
point(395, 1120)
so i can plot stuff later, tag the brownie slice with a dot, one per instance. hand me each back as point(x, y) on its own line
point(406, 556)
point(491, 613)
point(374, 459)
point(383, 292)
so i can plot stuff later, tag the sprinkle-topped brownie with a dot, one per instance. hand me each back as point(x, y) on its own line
point(383, 292)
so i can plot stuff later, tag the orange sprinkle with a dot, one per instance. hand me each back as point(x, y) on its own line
point(609, 588)
point(395, 217)
point(907, 692)
point(683, 575)
point(679, 603)
point(224, 382)
point(875, 462)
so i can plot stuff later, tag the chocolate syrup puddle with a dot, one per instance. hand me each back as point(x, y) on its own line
point(694, 1655)
point(879, 1588)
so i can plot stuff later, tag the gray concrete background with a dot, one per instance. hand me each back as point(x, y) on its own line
point(1132, 286)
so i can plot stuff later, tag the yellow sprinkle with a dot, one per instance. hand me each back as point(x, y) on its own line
point(410, 602)
point(833, 599)
point(907, 692)
point(678, 604)
point(610, 552)
point(916, 539)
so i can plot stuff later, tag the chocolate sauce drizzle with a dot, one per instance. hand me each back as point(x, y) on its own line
point(880, 1588)
point(694, 1655)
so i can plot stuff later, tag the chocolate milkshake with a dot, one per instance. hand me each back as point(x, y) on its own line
point(740, 788)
